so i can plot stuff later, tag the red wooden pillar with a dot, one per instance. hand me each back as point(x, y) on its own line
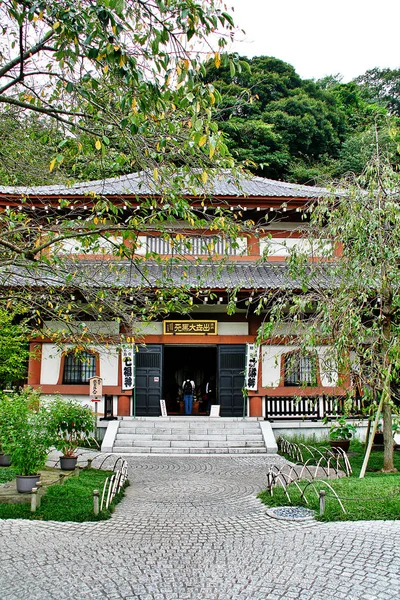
point(255, 406)
point(35, 363)
point(124, 406)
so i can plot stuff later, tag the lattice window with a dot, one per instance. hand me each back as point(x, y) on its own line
point(300, 369)
point(79, 369)
point(194, 246)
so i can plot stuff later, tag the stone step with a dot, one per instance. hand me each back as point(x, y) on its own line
point(218, 424)
point(149, 450)
point(128, 437)
point(187, 444)
point(189, 436)
point(196, 418)
point(206, 429)
point(190, 430)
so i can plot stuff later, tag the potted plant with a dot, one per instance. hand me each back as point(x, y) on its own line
point(25, 436)
point(70, 422)
point(340, 433)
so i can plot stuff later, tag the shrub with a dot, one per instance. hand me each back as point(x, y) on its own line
point(69, 423)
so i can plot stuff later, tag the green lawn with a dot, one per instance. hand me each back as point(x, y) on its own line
point(72, 501)
point(375, 497)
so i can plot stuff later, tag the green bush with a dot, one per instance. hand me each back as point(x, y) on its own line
point(69, 423)
point(24, 431)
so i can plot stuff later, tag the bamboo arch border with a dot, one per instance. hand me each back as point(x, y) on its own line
point(326, 460)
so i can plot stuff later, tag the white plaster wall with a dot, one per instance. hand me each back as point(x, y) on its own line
point(141, 245)
point(283, 246)
point(313, 430)
point(95, 327)
point(108, 365)
point(233, 328)
point(154, 328)
point(85, 400)
point(271, 361)
point(51, 361)
point(327, 366)
point(242, 245)
point(271, 364)
point(99, 246)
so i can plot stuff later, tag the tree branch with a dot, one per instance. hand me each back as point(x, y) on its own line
point(27, 54)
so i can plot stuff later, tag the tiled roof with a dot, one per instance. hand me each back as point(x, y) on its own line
point(143, 183)
point(118, 274)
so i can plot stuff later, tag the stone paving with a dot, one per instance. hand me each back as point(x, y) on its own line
point(191, 528)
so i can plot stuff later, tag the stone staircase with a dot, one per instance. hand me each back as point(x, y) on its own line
point(189, 435)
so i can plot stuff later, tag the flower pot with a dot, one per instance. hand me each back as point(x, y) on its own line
point(25, 483)
point(5, 460)
point(343, 444)
point(68, 463)
point(378, 438)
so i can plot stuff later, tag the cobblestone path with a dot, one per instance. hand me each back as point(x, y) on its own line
point(192, 529)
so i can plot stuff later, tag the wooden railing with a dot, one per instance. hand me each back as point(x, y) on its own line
point(308, 408)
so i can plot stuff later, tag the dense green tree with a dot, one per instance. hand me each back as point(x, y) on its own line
point(291, 121)
point(28, 143)
point(381, 86)
point(13, 348)
point(125, 73)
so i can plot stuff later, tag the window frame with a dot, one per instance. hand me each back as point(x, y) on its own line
point(94, 367)
point(297, 377)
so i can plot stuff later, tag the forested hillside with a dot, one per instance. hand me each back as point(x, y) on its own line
point(276, 123)
point(285, 127)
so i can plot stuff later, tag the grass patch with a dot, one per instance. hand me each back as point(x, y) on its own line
point(72, 501)
point(375, 497)
point(7, 474)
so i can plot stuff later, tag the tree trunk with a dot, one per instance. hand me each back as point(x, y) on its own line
point(388, 464)
point(370, 440)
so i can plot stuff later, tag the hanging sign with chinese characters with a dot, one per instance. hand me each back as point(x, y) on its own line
point(252, 356)
point(190, 327)
point(96, 388)
point(128, 367)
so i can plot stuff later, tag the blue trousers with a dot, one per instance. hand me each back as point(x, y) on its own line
point(188, 400)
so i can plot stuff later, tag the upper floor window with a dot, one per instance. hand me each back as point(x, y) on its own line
point(300, 369)
point(196, 246)
point(79, 369)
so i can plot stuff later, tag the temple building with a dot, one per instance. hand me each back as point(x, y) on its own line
point(213, 343)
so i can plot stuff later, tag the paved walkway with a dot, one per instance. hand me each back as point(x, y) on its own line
point(192, 529)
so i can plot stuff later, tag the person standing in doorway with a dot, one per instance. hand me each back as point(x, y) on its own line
point(188, 387)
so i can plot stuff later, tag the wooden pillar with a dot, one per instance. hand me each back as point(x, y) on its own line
point(255, 406)
point(124, 406)
point(35, 363)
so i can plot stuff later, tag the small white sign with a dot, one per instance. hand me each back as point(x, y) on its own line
point(214, 410)
point(95, 386)
point(163, 408)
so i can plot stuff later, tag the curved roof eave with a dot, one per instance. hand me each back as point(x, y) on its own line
point(223, 185)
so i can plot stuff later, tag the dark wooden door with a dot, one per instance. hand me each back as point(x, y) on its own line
point(148, 381)
point(231, 366)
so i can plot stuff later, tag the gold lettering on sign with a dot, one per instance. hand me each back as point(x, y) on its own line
point(190, 327)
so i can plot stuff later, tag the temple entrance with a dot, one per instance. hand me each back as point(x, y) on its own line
point(198, 363)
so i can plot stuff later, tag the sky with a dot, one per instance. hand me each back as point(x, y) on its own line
point(320, 37)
